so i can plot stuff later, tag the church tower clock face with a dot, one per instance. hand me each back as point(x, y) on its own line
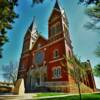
point(39, 57)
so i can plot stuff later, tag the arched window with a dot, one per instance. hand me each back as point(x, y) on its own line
point(56, 72)
point(56, 54)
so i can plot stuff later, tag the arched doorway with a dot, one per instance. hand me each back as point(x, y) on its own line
point(36, 77)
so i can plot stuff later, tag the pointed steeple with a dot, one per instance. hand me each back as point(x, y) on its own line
point(33, 25)
point(57, 5)
point(58, 21)
point(30, 36)
point(31, 29)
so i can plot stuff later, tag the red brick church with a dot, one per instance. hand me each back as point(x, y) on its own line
point(41, 59)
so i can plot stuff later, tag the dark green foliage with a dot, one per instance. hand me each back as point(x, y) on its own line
point(7, 16)
point(97, 70)
point(37, 1)
point(93, 12)
point(88, 2)
point(97, 52)
point(77, 71)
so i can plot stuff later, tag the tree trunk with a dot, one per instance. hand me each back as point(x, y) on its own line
point(79, 90)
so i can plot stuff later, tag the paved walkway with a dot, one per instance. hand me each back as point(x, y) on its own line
point(30, 96)
point(18, 97)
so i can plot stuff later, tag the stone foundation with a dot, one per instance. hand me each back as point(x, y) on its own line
point(72, 88)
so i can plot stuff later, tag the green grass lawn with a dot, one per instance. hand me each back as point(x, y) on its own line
point(49, 94)
point(95, 96)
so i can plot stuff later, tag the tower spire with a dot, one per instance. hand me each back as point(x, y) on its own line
point(30, 36)
point(57, 5)
point(30, 28)
point(33, 25)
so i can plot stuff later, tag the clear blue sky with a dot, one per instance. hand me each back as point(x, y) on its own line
point(84, 41)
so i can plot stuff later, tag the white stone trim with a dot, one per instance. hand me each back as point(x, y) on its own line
point(52, 61)
point(55, 83)
point(25, 55)
point(55, 35)
point(49, 44)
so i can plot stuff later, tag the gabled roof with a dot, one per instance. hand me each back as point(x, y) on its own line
point(40, 36)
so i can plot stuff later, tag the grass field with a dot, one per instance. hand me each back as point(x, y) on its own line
point(50, 94)
point(95, 96)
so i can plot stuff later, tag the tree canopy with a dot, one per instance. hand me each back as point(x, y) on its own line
point(7, 16)
point(93, 11)
point(88, 2)
point(77, 70)
point(97, 70)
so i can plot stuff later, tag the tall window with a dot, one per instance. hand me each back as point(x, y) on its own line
point(55, 29)
point(57, 72)
point(56, 54)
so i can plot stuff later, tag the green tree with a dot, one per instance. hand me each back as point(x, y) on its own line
point(97, 70)
point(77, 71)
point(97, 51)
point(88, 2)
point(93, 11)
point(7, 16)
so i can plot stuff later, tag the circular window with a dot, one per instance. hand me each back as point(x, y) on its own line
point(39, 57)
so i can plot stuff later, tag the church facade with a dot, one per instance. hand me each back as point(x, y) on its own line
point(41, 59)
